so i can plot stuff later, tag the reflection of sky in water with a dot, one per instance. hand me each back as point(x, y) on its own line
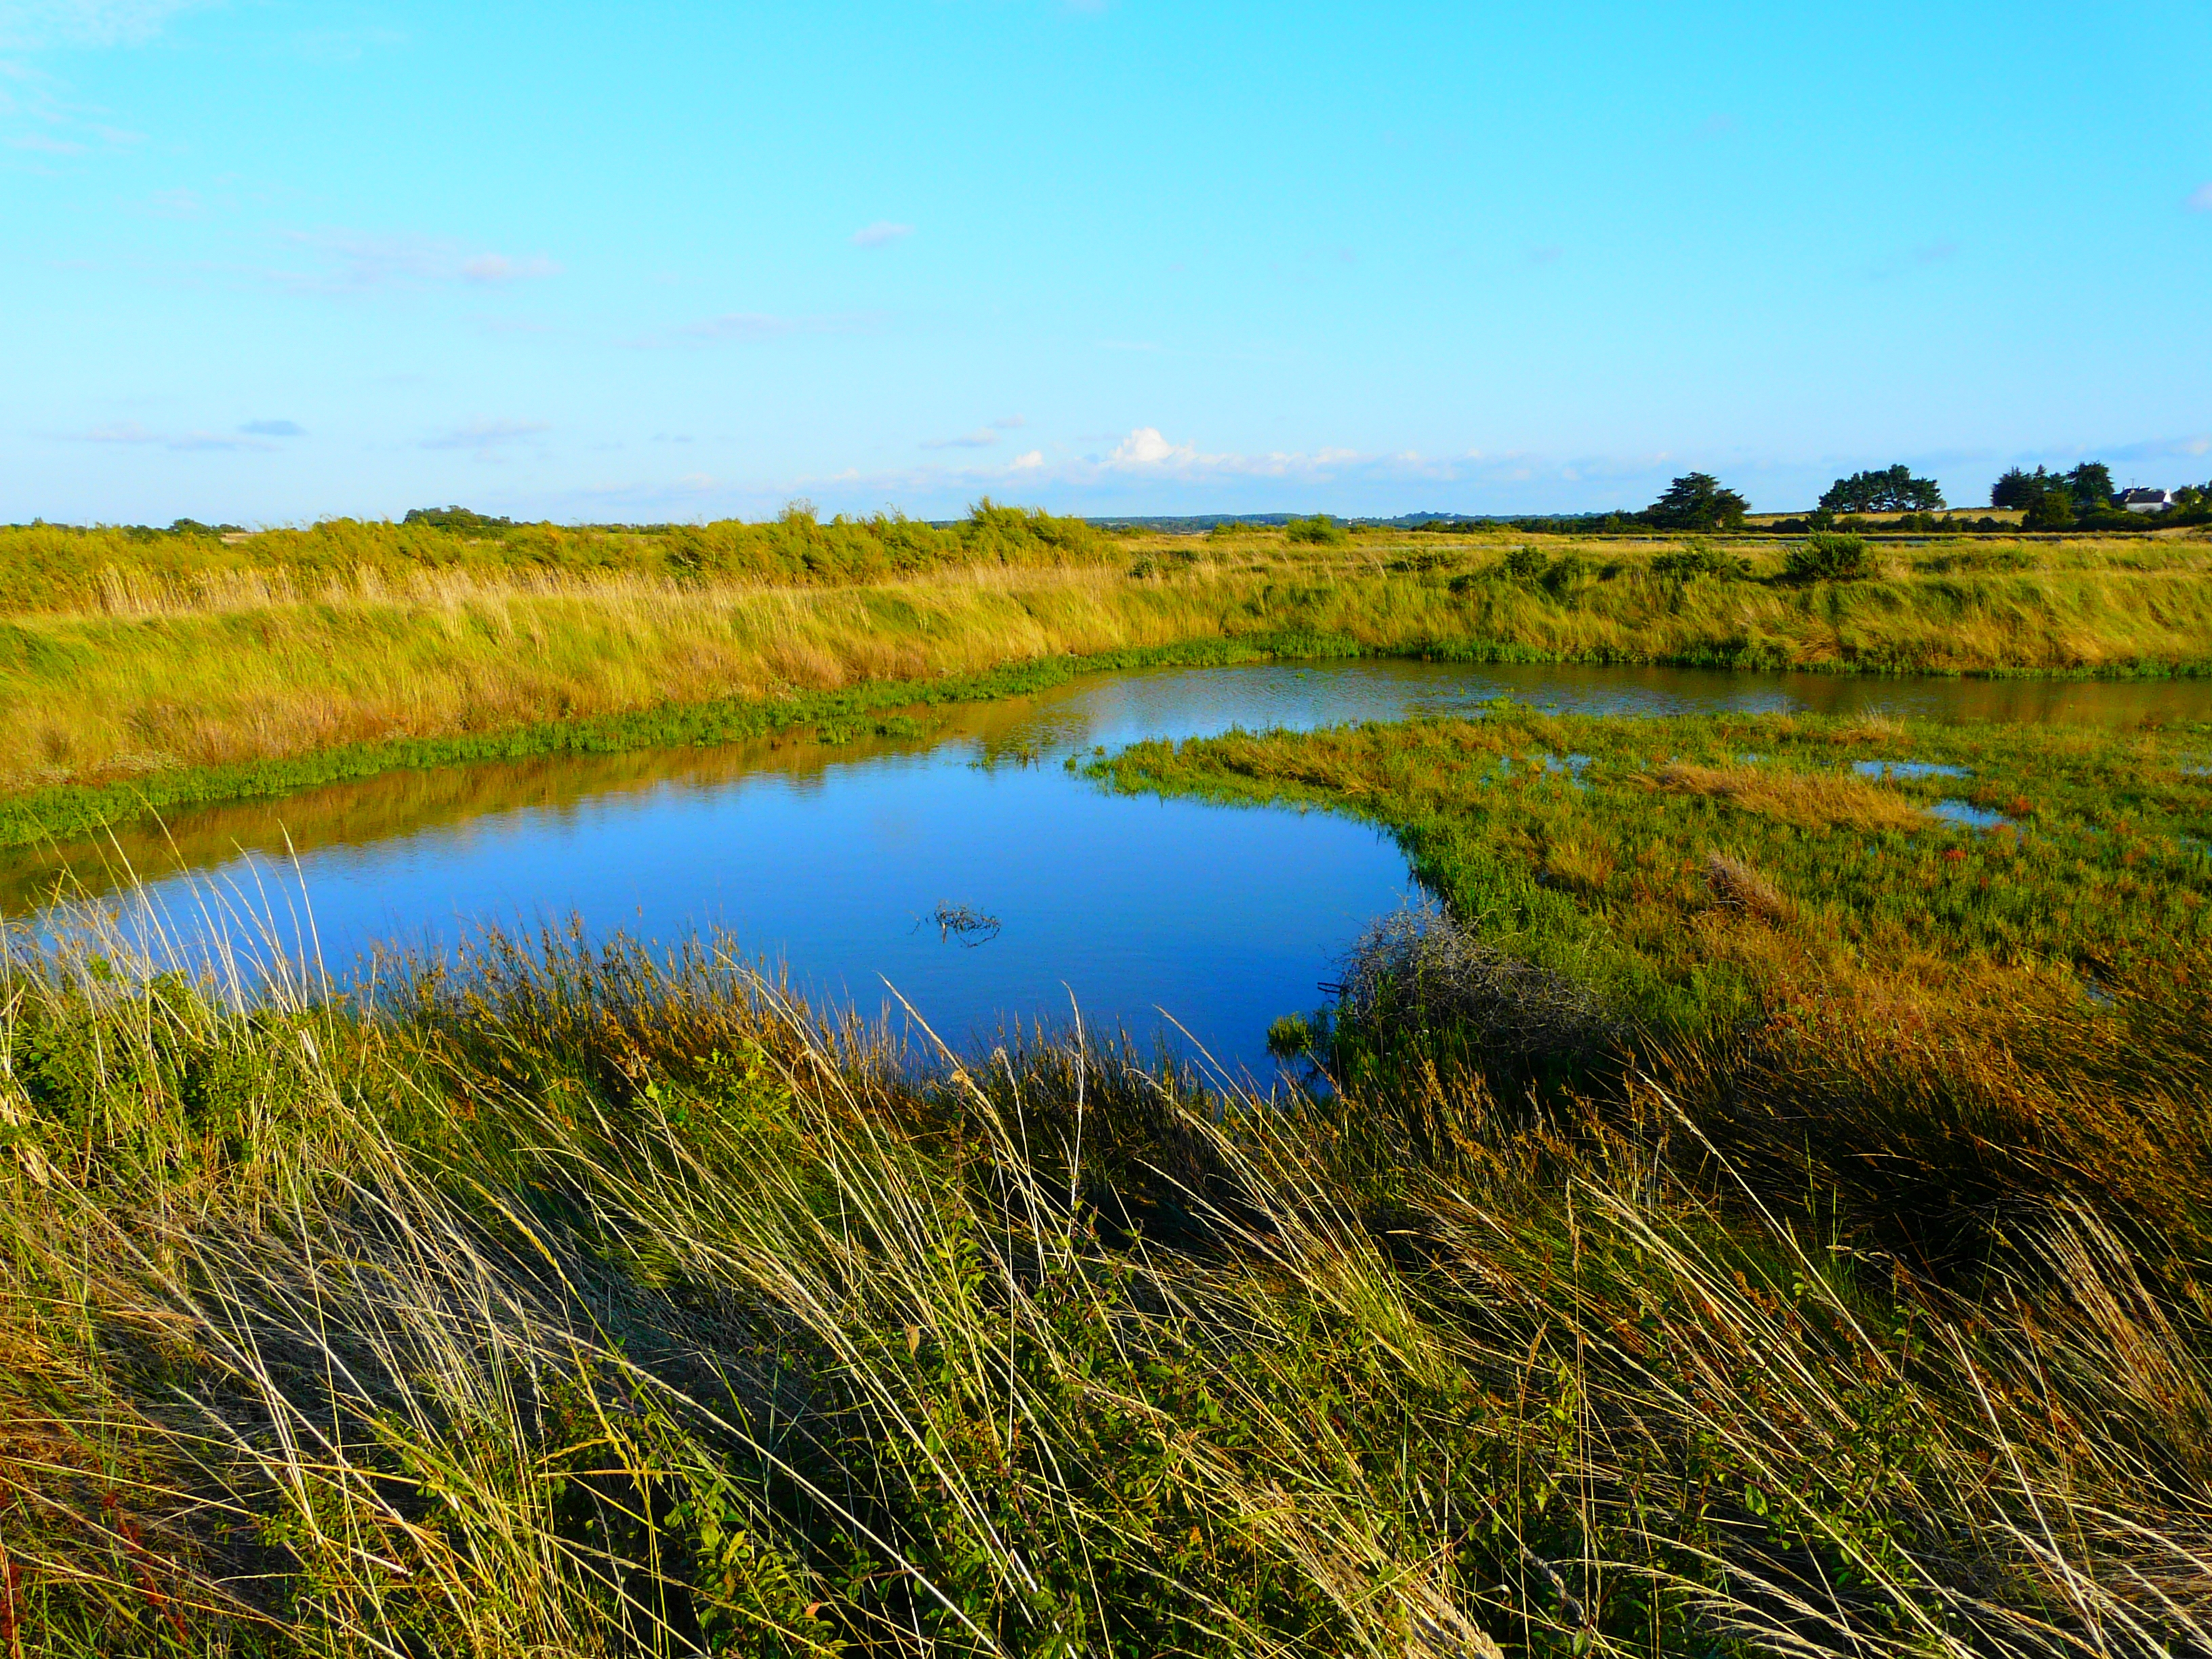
point(1887, 768)
point(1952, 810)
point(1224, 917)
point(825, 858)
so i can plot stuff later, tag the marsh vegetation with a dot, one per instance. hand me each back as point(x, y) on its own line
point(1760, 1270)
point(153, 670)
point(1756, 1209)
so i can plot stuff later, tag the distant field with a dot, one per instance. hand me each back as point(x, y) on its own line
point(126, 656)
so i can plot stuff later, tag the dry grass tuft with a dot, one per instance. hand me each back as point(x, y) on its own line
point(1810, 800)
point(1736, 886)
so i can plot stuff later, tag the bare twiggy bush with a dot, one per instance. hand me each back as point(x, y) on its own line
point(1421, 969)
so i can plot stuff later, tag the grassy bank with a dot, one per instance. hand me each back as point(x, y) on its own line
point(575, 1304)
point(136, 571)
point(430, 662)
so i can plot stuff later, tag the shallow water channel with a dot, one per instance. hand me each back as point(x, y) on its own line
point(830, 861)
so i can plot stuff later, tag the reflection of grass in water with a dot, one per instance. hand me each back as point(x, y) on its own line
point(393, 805)
point(854, 718)
point(577, 1303)
point(962, 922)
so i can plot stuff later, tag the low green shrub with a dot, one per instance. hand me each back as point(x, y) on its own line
point(1828, 556)
point(1320, 531)
point(1700, 559)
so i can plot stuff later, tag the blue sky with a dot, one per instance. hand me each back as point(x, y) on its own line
point(266, 260)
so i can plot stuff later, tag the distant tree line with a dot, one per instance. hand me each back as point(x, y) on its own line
point(1893, 489)
point(2084, 497)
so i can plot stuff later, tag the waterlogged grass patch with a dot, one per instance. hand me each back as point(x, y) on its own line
point(1702, 888)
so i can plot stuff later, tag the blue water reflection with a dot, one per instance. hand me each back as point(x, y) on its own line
point(824, 859)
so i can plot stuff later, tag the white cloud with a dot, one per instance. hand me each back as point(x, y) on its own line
point(881, 233)
point(1011, 423)
point(1147, 450)
point(1031, 460)
point(1145, 447)
point(2200, 199)
point(486, 439)
point(36, 25)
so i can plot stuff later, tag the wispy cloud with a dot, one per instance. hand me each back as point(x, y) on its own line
point(131, 434)
point(179, 203)
point(38, 117)
point(746, 326)
point(345, 45)
point(355, 262)
point(487, 440)
point(498, 268)
point(983, 437)
point(879, 234)
point(1919, 257)
point(38, 25)
point(2200, 199)
point(274, 429)
point(2156, 449)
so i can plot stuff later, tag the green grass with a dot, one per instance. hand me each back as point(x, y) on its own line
point(1841, 1289)
point(578, 1304)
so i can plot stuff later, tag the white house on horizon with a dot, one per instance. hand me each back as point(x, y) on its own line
point(2146, 501)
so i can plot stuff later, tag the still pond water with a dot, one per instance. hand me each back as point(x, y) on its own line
point(829, 861)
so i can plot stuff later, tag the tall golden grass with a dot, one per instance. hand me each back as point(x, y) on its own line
point(272, 663)
point(579, 1304)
